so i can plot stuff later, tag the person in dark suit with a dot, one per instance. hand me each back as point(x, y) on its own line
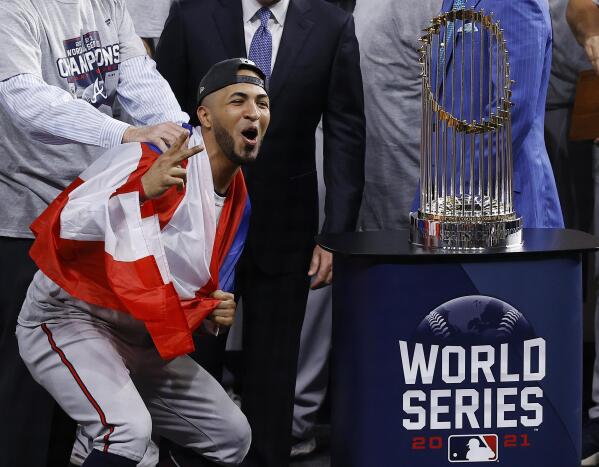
point(309, 52)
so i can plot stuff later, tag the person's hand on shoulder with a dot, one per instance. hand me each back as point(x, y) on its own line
point(162, 135)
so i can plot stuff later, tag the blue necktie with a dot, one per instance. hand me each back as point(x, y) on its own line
point(261, 46)
point(457, 5)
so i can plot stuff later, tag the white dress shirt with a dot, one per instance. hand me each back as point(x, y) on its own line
point(251, 23)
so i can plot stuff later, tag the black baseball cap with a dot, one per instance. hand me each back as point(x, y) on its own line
point(225, 73)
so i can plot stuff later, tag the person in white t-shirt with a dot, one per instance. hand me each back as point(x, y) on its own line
point(63, 64)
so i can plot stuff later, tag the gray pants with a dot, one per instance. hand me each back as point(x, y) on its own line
point(119, 392)
point(313, 362)
point(315, 343)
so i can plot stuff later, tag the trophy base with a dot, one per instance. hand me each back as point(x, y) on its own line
point(464, 235)
point(473, 209)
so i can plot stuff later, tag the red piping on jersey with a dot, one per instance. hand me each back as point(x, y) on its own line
point(90, 398)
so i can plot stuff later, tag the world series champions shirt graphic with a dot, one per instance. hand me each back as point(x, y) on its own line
point(90, 69)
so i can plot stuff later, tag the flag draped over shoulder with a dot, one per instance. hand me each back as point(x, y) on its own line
point(158, 260)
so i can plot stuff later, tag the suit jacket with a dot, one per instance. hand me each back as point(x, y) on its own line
point(316, 73)
point(388, 32)
point(527, 31)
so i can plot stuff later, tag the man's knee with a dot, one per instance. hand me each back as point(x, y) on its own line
point(139, 430)
point(241, 435)
point(233, 449)
point(130, 439)
point(227, 451)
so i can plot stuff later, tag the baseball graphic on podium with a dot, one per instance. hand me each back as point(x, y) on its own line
point(474, 320)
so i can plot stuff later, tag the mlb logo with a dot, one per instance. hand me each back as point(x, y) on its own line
point(473, 448)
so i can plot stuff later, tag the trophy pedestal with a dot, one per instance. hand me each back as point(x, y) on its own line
point(447, 356)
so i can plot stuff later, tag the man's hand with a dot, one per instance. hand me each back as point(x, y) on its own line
point(224, 313)
point(166, 171)
point(321, 268)
point(591, 47)
point(583, 18)
point(162, 135)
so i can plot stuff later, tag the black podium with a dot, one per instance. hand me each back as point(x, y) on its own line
point(443, 357)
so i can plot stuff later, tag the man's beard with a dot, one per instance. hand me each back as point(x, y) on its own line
point(227, 146)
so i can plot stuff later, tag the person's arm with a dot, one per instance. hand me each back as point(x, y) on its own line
point(583, 18)
point(51, 115)
point(344, 132)
point(47, 112)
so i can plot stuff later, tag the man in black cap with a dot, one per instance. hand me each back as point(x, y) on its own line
point(107, 324)
point(309, 53)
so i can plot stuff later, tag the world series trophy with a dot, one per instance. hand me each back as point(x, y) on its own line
point(466, 191)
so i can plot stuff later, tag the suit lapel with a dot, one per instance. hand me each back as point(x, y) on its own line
point(295, 33)
point(228, 16)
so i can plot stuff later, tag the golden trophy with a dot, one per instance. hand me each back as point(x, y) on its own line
point(466, 195)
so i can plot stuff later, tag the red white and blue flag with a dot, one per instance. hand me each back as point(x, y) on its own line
point(157, 260)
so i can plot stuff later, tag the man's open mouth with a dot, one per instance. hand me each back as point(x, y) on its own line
point(250, 135)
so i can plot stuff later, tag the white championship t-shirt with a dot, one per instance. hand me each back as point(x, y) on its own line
point(76, 46)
